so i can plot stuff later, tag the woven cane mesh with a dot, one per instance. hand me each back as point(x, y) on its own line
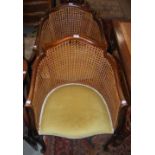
point(68, 21)
point(75, 61)
point(46, 34)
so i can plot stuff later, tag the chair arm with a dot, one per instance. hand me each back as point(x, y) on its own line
point(115, 67)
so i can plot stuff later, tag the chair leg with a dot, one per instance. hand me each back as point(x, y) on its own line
point(33, 131)
point(121, 138)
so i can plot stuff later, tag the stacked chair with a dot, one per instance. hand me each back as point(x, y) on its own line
point(71, 48)
point(68, 20)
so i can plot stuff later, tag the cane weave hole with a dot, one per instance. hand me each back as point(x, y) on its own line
point(76, 61)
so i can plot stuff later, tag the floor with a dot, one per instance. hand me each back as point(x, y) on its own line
point(28, 150)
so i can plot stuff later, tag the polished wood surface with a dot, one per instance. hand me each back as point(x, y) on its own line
point(126, 31)
point(103, 46)
point(122, 32)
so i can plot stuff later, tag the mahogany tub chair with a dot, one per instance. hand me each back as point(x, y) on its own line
point(66, 20)
point(74, 60)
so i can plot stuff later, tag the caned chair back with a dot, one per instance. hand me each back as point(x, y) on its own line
point(68, 20)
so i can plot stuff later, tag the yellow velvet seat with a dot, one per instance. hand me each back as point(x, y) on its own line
point(74, 111)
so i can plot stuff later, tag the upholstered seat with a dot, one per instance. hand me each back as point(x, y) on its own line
point(75, 111)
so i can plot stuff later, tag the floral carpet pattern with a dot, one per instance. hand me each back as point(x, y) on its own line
point(89, 146)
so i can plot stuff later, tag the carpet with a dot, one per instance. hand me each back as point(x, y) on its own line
point(88, 146)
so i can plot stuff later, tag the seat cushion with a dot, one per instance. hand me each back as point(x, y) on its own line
point(74, 111)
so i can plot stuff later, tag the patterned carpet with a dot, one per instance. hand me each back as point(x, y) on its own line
point(89, 146)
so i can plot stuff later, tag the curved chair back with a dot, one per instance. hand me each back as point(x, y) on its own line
point(68, 20)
